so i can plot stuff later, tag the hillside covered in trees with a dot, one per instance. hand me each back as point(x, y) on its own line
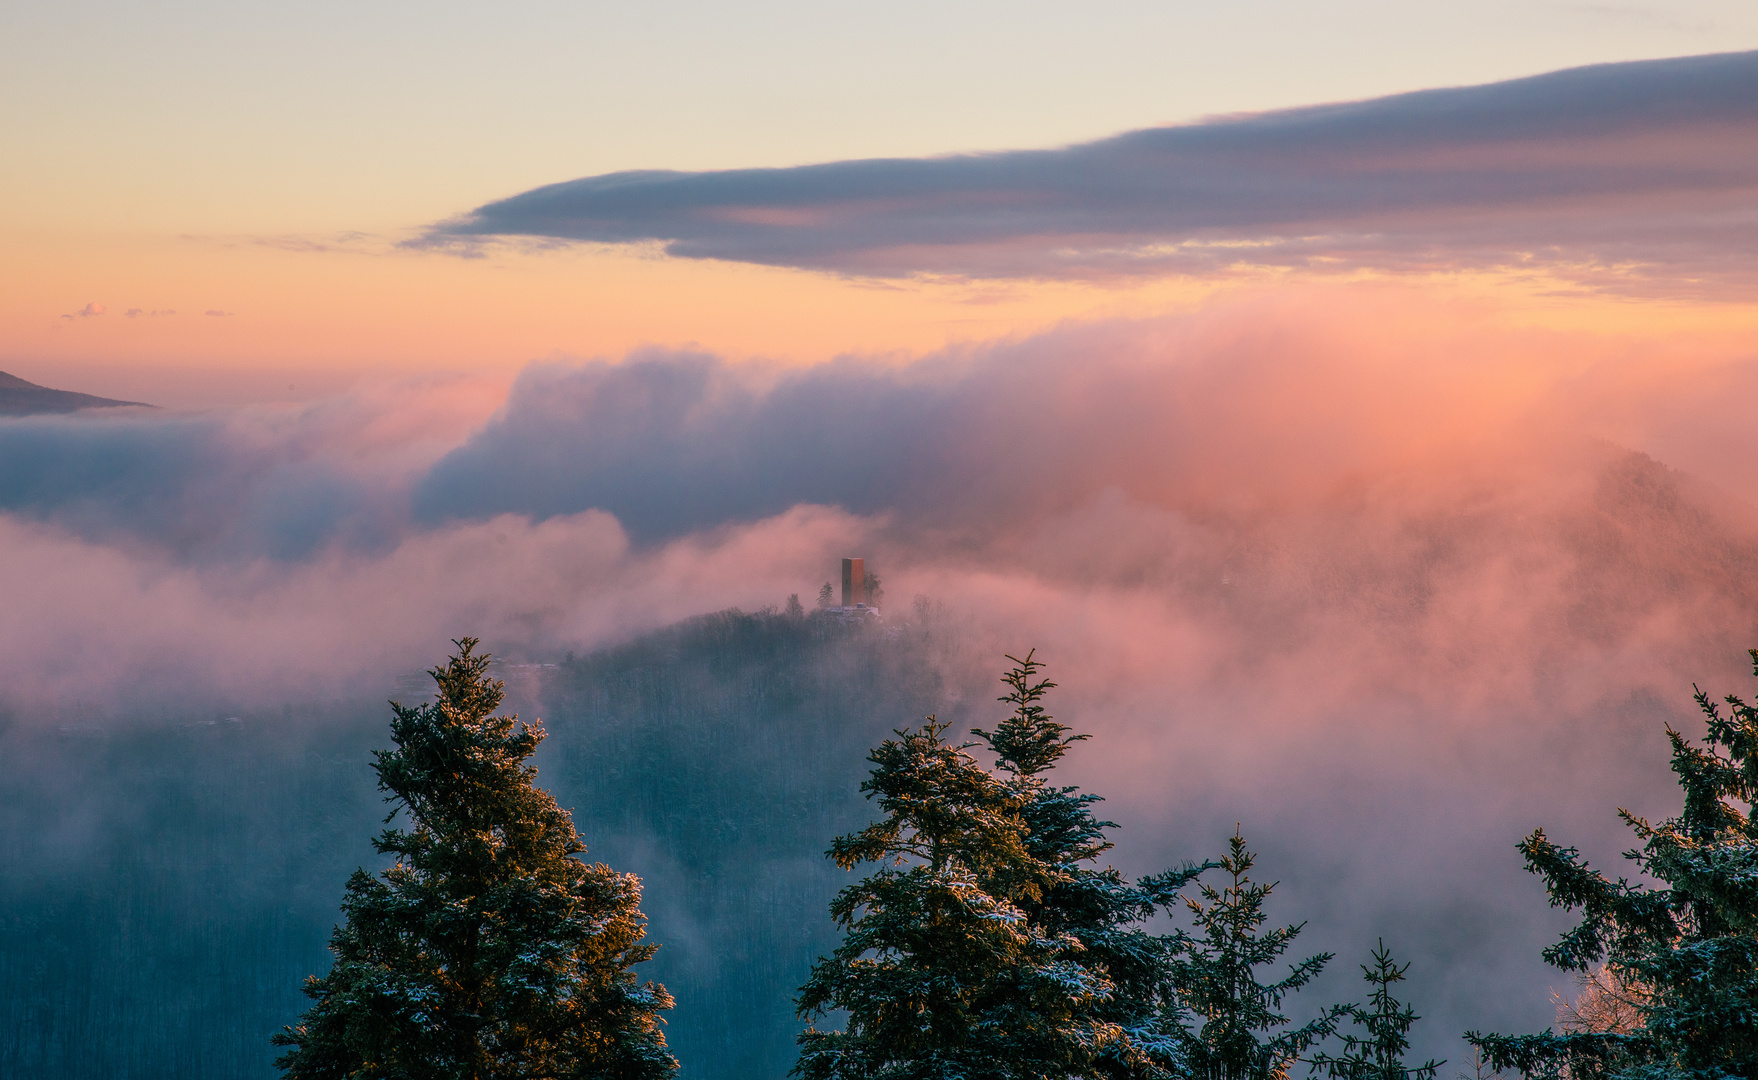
point(167, 884)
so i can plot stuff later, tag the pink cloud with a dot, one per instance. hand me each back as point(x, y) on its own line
point(1390, 497)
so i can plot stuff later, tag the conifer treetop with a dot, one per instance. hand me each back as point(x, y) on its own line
point(455, 764)
point(984, 944)
point(940, 807)
point(1234, 1023)
point(488, 950)
point(1379, 1053)
point(1029, 741)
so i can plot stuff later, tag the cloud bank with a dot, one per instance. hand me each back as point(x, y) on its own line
point(1398, 497)
point(1635, 176)
point(1380, 580)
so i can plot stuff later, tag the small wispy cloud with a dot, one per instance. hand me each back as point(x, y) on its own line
point(349, 242)
point(217, 313)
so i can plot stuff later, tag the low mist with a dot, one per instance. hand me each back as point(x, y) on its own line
point(1387, 583)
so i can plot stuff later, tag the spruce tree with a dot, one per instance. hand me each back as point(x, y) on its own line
point(1086, 903)
point(489, 949)
point(981, 947)
point(1687, 953)
point(1227, 1020)
point(1379, 1053)
point(933, 938)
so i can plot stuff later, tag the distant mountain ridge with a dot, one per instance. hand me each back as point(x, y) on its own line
point(21, 398)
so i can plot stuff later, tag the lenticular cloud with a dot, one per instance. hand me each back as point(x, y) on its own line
point(1633, 176)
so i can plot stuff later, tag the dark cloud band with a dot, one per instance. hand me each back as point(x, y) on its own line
point(1617, 165)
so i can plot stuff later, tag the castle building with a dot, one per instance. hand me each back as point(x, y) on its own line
point(854, 593)
point(854, 583)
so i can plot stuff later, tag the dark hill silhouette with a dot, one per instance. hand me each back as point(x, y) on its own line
point(21, 398)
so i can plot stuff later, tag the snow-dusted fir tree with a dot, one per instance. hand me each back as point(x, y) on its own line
point(1085, 903)
point(1685, 957)
point(1378, 1052)
point(489, 949)
point(984, 946)
point(934, 938)
point(1230, 1024)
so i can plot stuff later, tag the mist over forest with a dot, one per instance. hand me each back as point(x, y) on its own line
point(171, 882)
point(1385, 598)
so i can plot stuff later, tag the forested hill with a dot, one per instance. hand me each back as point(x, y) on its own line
point(21, 398)
point(718, 759)
point(166, 883)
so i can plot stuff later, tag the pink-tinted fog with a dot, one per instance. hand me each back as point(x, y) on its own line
point(1385, 581)
point(1334, 496)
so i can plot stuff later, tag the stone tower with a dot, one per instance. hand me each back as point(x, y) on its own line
point(854, 583)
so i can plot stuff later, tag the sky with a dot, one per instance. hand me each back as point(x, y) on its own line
point(266, 165)
point(1350, 401)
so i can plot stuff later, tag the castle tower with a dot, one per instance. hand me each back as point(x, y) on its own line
point(854, 583)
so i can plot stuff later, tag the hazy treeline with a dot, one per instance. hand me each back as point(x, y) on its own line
point(165, 887)
point(720, 757)
point(166, 883)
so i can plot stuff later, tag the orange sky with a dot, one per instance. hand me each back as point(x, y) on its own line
point(319, 318)
point(206, 158)
point(300, 323)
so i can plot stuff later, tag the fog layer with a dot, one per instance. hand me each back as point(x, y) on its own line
point(1414, 492)
point(1387, 583)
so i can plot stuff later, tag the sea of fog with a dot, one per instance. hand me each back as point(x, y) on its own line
point(1383, 585)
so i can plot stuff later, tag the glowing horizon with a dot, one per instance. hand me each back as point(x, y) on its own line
point(235, 274)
